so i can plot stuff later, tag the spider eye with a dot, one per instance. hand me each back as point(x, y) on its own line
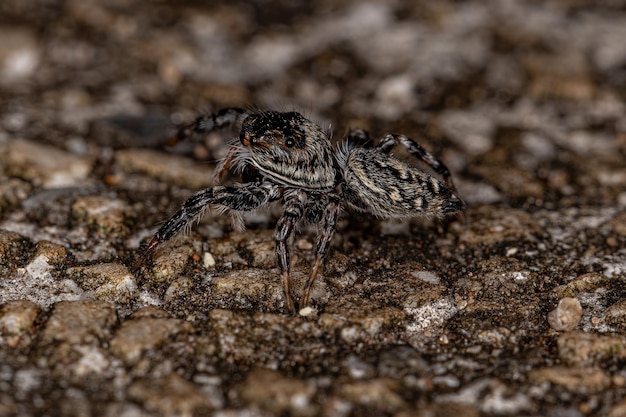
point(289, 142)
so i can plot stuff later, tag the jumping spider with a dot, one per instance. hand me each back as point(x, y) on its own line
point(286, 157)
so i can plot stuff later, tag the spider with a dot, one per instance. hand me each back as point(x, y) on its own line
point(282, 156)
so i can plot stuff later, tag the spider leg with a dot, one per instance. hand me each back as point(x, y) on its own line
point(292, 213)
point(323, 243)
point(240, 197)
point(390, 140)
point(210, 122)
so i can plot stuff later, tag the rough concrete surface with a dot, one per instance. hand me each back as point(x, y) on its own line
point(519, 309)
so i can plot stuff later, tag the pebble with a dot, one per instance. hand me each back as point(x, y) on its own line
point(170, 262)
point(137, 336)
point(566, 316)
point(616, 314)
point(580, 380)
point(278, 394)
point(172, 169)
point(19, 54)
point(474, 130)
point(105, 215)
point(45, 165)
point(377, 394)
point(73, 339)
point(80, 322)
point(12, 248)
point(581, 348)
point(170, 395)
point(17, 316)
point(581, 284)
point(108, 281)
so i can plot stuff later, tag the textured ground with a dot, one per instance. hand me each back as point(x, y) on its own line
point(520, 310)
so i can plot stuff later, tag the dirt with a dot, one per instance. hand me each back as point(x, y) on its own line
point(516, 309)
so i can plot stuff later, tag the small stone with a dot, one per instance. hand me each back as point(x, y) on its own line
point(170, 395)
point(17, 317)
point(427, 276)
point(616, 314)
point(19, 54)
point(110, 281)
point(278, 394)
point(581, 284)
point(12, 248)
point(80, 322)
point(169, 168)
point(105, 215)
point(137, 336)
point(566, 316)
point(45, 165)
point(74, 338)
point(304, 244)
point(378, 394)
point(578, 379)
point(306, 311)
point(54, 254)
point(580, 348)
point(618, 410)
point(12, 192)
point(171, 262)
point(208, 260)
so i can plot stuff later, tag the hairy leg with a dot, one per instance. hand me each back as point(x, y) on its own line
point(390, 140)
point(292, 213)
point(323, 243)
point(241, 197)
point(210, 122)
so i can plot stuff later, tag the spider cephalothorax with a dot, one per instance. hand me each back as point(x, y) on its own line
point(293, 161)
point(289, 149)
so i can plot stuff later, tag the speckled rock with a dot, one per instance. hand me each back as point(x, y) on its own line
point(278, 394)
point(580, 348)
point(12, 248)
point(170, 395)
point(170, 261)
point(578, 380)
point(17, 320)
point(265, 338)
point(581, 284)
point(45, 165)
point(169, 168)
point(19, 54)
point(380, 394)
point(12, 192)
point(442, 410)
point(109, 281)
point(500, 227)
point(360, 320)
point(135, 337)
point(179, 288)
point(616, 314)
point(104, 215)
point(566, 315)
point(73, 338)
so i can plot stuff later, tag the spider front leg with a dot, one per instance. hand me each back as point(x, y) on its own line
point(240, 197)
point(390, 140)
point(323, 243)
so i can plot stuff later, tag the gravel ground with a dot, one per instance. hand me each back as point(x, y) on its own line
point(518, 310)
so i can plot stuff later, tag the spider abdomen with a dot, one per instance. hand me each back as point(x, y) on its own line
point(385, 186)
